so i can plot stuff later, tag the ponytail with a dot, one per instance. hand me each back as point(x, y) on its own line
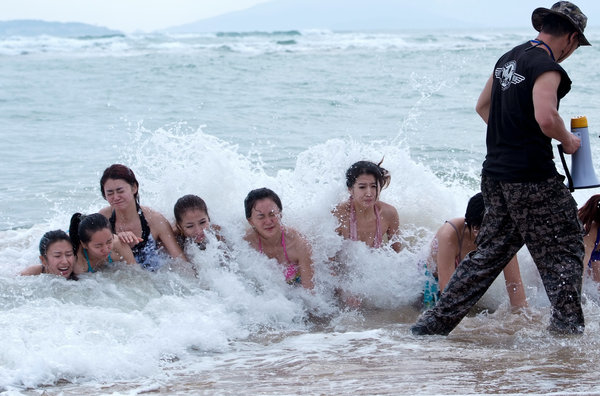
point(82, 227)
point(74, 230)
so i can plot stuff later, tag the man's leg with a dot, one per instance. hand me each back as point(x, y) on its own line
point(498, 242)
point(548, 221)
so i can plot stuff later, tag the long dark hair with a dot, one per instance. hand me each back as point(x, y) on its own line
point(120, 172)
point(50, 237)
point(382, 176)
point(82, 227)
point(590, 212)
point(258, 194)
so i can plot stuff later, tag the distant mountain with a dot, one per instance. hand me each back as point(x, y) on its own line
point(281, 15)
point(28, 27)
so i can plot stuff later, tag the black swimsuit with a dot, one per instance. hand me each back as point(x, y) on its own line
point(144, 253)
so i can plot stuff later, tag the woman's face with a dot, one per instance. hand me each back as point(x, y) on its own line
point(193, 223)
point(265, 218)
point(59, 258)
point(119, 193)
point(365, 191)
point(100, 244)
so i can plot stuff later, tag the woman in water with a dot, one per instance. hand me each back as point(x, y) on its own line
point(140, 227)
point(57, 256)
point(95, 244)
point(589, 214)
point(451, 244)
point(192, 221)
point(267, 235)
point(363, 217)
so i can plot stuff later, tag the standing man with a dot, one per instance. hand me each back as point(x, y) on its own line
point(525, 198)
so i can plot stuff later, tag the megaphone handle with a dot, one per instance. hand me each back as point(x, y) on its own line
point(564, 163)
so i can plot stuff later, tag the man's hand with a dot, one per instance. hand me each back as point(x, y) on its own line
point(571, 144)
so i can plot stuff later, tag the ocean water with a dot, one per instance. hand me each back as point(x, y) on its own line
point(220, 114)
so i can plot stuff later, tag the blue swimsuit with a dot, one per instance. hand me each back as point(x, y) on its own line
point(145, 252)
point(90, 269)
point(595, 256)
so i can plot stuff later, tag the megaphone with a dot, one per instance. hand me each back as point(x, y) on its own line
point(582, 173)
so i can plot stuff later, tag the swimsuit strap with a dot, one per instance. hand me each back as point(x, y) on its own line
point(113, 220)
point(85, 254)
point(145, 231)
point(145, 226)
point(143, 222)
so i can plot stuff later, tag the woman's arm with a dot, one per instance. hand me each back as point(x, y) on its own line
point(393, 221)
point(161, 229)
point(123, 251)
point(305, 265)
point(340, 212)
point(514, 284)
point(300, 251)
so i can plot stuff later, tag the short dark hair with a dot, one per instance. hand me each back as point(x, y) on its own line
point(49, 238)
point(187, 202)
point(120, 172)
point(556, 25)
point(258, 194)
point(475, 211)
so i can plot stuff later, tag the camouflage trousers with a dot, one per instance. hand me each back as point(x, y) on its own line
point(542, 215)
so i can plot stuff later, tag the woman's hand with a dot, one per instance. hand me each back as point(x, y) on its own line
point(129, 238)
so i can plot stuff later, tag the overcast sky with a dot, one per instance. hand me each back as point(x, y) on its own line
point(124, 15)
point(148, 15)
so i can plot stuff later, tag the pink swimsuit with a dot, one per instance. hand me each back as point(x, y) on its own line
point(378, 240)
point(291, 271)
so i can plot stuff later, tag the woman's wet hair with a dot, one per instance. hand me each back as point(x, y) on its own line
point(49, 238)
point(475, 211)
point(83, 227)
point(189, 202)
point(382, 176)
point(257, 195)
point(590, 212)
point(120, 172)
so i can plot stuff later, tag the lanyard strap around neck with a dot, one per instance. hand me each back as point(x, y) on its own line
point(540, 42)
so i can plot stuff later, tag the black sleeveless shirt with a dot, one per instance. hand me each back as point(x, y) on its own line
point(517, 149)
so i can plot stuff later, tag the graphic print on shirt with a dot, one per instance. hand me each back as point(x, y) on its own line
point(506, 74)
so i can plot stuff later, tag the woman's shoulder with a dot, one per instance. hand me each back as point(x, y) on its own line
point(33, 270)
point(250, 235)
point(450, 228)
point(386, 208)
point(154, 217)
point(341, 209)
point(295, 238)
point(106, 212)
